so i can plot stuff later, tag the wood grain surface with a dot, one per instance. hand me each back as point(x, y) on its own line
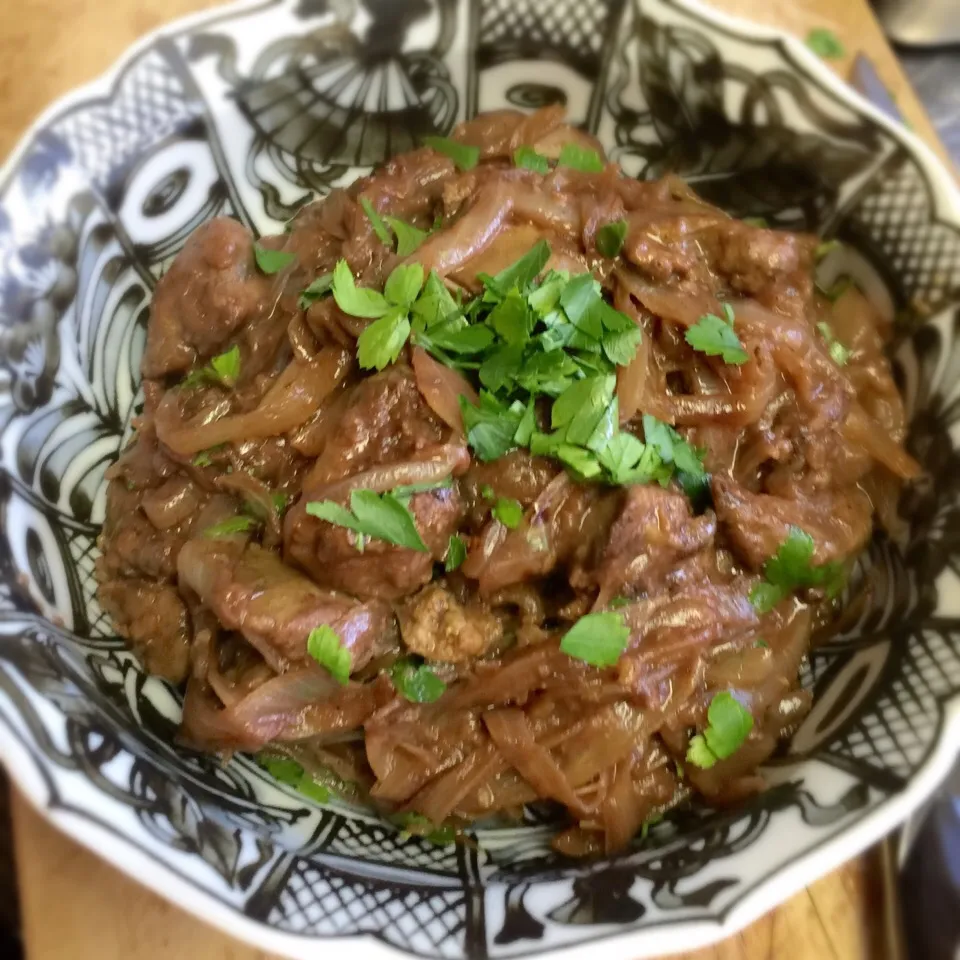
point(75, 905)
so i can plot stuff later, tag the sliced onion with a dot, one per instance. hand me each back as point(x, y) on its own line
point(442, 388)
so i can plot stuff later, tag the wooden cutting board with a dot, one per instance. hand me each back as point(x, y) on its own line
point(75, 905)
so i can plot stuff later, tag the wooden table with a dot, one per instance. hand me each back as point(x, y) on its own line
point(73, 904)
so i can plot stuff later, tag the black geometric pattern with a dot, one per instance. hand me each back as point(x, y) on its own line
point(91, 215)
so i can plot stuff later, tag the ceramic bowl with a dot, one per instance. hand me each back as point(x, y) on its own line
point(248, 111)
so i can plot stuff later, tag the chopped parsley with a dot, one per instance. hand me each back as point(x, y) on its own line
point(230, 527)
point(223, 369)
point(416, 683)
point(381, 516)
point(508, 511)
point(610, 238)
point(323, 644)
point(729, 725)
point(409, 237)
point(839, 354)
point(376, 221)
point(417, 825)
point(825, 43)
point(462, 154)
point(597, 638)
point(205, 457)
point(315, 290)
point(580, 158)
point(456, 553)
point(792, 569)
point(272, 261)
point(716, 337)
point(528, 159)
point(291, 773)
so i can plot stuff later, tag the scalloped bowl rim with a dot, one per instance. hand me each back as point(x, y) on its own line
point(129, 857)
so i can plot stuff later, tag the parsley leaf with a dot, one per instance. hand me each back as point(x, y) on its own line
point(291, 773)
point(791, 568)
point(353, 300)
point(272, 261)
point(579, 408)
point(463, 155)
point(408, 236)
point(380, 343)
point(418, 684)
point(382, 516)
point(729, 726)
point(223, 369)
point(838, 352)
point(417, 825)
point(580, 158)
point(610, 238)
point(230, 527)
point(491, 425)
point(508, 511)
point(323, 644)
point(715, 336)
point(316, 289)
point(376, 221)
point(520, 274)
point(205, 457)
point(404, 284)
point(825, 43)
point(456, 553)
point(528, 159)
point(597, 638)
point(671, 446)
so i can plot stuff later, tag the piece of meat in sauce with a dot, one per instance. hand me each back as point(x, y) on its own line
point(386, 423)
point(437, 626)
point(275, 607)
point(211, 290)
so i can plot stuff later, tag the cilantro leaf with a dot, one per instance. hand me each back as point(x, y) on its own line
point(418, 684)
point(205, 457)
point(409, 237)
point(610, 238)
point(315, 290)
point(462, 154)
point(825, 43)
point(435, 305)
point(838, 352)
point(323, 644)
point(580, 407)
point(792, 568)
point(528, 159)
point(272, 261)
point(380, 343)
point(456, 553)
point(580, 158)
point(382, 516)
point(621, 346)
point(715, 336)
point(353, 300)
point(230, 527)
point(597, 638)
point(508, 511)
point(729, 725)
point(417, 825)
point(226, 366)
point(404, 284)
point(512, 319)
point(376, 221)
point(491, 425)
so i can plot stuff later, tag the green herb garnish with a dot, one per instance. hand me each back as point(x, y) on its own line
point(508, 511)
point(580, 158)
point(417, 825)
point(416, 683)
point(715, 337)
point(223, 369)
point(272, 261)
point(291, 773)
point(379, 515)
point(463, 155)
point(597, 638)
point(610, 238)
point(730, 724)
point(529, 159)
point(792, 569)
point(409, 237)
point(316, 289)
point(376, 221)
point(456, 553)
point(838, 352)
point(230, 527)
point(323, 644)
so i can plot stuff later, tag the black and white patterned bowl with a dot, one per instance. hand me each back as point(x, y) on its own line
point(249, 110)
